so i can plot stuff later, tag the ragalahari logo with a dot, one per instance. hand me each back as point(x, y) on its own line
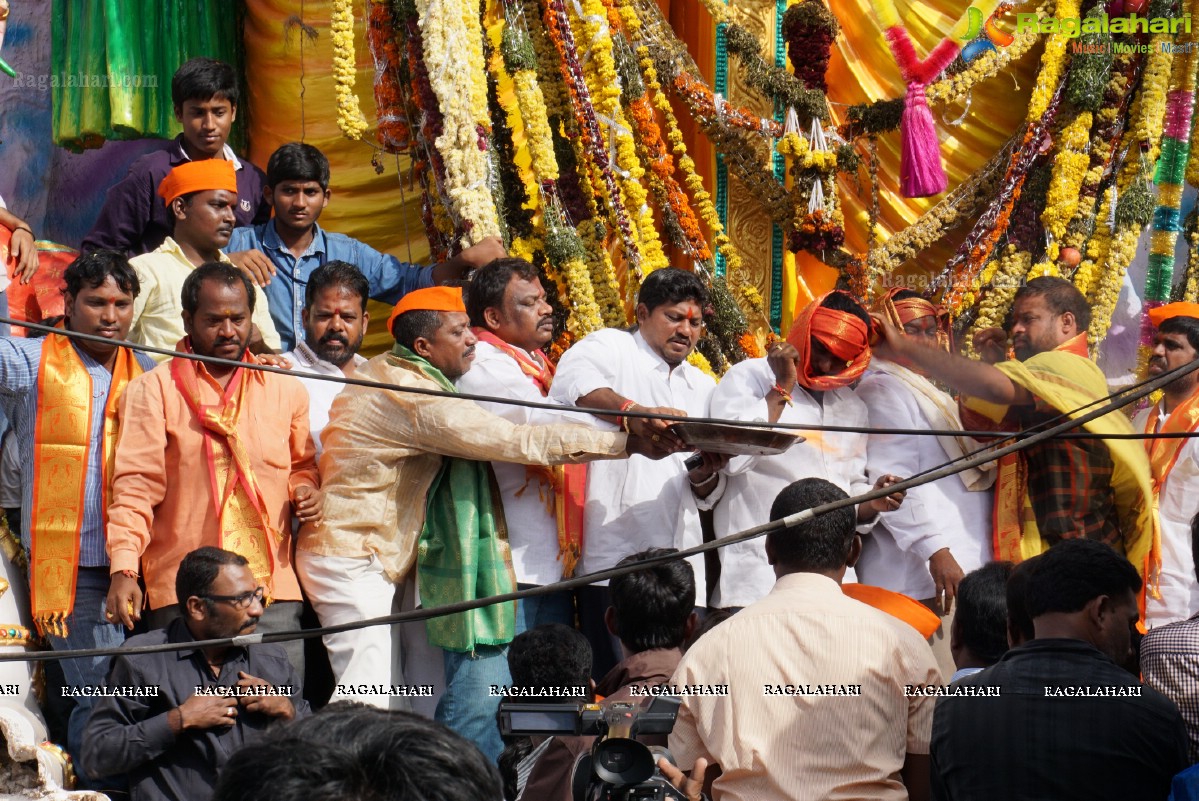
point(992, 34)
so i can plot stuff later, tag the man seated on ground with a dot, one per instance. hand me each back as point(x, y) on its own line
point(281, 253)
point(205, 94)
point(555, 661)
point(207, 703)
point(807, 665)
point(978, 637)
point(200, 197)
point(1063, 694)
point(351, 752)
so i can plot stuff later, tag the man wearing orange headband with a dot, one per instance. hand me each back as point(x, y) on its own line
point(943, 530)
point(200, 196)
point(806, 380)
point(1175, 462)
point(407, 483)
point(1060, 488)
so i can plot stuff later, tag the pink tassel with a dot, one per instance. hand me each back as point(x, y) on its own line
point(920, 171)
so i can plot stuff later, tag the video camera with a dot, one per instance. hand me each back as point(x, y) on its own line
point(619, 768)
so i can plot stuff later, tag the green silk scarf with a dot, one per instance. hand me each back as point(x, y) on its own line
point(463, 553)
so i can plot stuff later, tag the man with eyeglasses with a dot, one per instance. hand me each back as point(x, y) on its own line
point(170, 720)
point(640, 503)
point(943, 531)
point(807, 380)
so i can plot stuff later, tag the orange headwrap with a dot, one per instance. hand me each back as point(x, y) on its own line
point(433, 298)
point(902, 312)
point(844, 334)
point(1162, 313)
point(198, 176)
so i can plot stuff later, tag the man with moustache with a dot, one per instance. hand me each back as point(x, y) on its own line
point(638, 504)
point(44, 383)
point(281, 254)
point(335, 320)
point(207, 703)
point(211, 454)
point(201, 196)
point(1175, 462)
point(408, 474)
point(1057, 489)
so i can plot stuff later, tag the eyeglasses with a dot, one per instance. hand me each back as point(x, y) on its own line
point(242, 601)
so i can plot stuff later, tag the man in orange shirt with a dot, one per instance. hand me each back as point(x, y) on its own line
point(211, 455)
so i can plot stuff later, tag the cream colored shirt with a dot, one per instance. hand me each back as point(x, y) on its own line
point(158, 308)
point(774, 736)
point(382, 450)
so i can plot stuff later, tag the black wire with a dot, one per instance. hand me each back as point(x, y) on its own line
point(557, 407)
point(948, 469)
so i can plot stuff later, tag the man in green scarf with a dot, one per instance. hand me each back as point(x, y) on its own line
point(407, 479)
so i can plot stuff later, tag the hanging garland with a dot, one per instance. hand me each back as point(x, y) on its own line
point(345, 69)
point(391, 129)
point(1069, 169)
point(448, 30)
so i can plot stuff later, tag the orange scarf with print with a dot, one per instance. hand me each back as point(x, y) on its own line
point(569, 482)
point(61, 445)
point(1163, 453)
point(240, 507)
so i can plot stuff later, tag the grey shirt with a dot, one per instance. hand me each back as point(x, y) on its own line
point(132, 735)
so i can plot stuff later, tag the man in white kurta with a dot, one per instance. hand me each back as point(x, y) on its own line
point(335, 320)
point(639, 503)
point(805, 383)
point(1175, 462)
point(943, 530)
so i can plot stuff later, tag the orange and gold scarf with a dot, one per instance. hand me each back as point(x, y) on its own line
point(1163, 453)
point(842, 333)
point(569, 482)
point(61, 443)
point(245, 525)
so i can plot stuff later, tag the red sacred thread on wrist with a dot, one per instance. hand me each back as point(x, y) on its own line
point(620, 418)
point(784, 393)
point(130, 574)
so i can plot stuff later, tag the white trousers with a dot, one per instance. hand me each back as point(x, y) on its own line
point(347, 589)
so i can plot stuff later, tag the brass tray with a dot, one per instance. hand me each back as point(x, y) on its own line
point(734, 440)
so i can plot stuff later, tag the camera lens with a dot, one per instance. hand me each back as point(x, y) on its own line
point(621, 761)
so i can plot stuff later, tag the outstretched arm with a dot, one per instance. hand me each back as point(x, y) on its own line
point(971, 378)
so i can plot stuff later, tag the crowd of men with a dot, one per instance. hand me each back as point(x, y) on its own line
point(972, 637)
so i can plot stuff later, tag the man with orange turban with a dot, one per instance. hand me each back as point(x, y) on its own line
point(805, 381)
point(201, 197)
point(1059, 488)
point(407, 483)
point(1175, 462)
point(943, 530)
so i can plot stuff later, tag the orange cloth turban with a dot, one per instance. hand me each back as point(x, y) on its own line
point(198, 176)
point(844, 334)
point(902, 312)
point(1162, 313)
point(433, 298)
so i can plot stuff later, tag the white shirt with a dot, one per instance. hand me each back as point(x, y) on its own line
point(528, 498)
point(755, 481)
point(1177, 503)
point(636, 503)
point(940, 514)
point(320, 393)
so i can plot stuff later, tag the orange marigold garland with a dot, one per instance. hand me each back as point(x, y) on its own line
point(392, 132)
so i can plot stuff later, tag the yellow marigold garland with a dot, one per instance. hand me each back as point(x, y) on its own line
point(1011, 268)
point(345, 69)
point(1069, 169)
point(700, 361)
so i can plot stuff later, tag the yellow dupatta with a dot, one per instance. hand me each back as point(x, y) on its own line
point(61, 445)
point(240, 507)
point(1067, 380)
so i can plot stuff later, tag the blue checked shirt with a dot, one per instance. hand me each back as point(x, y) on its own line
point(19, 360)
point(389, 278)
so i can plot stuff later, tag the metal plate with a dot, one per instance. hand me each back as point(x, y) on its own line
point(734, 440)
